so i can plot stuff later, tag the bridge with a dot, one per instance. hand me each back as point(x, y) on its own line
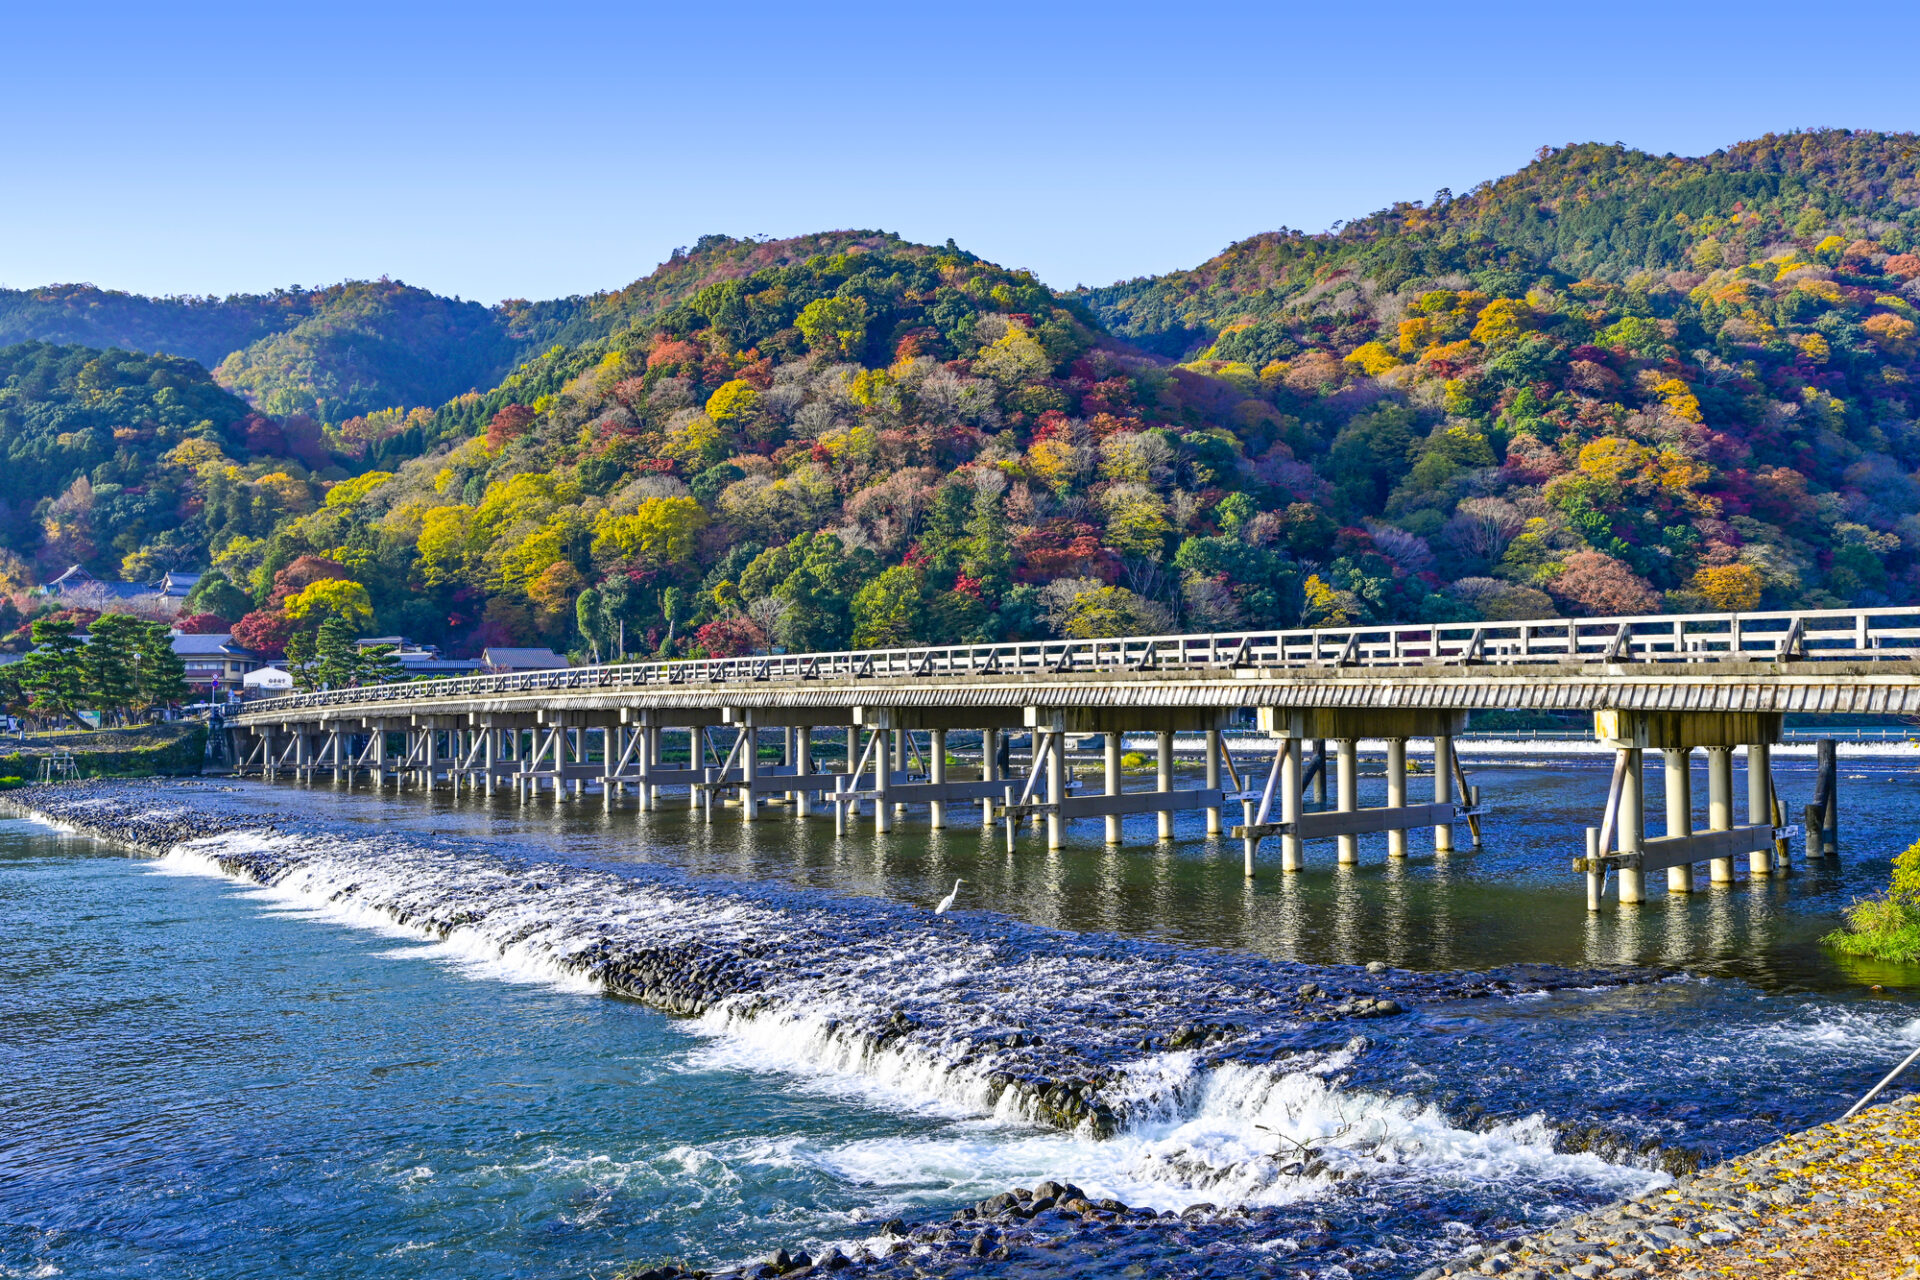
point(1667, 683)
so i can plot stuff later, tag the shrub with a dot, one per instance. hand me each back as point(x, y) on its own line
point(1886, 927)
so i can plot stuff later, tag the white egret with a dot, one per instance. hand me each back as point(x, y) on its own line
point(946, 903)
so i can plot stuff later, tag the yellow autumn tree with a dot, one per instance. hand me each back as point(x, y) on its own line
point(331, 598)
point(1501, 322)
point(1733, 588)
point(735, 406)
point(1371, 358)
point(663, 531)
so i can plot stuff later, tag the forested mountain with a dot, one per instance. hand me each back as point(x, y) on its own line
point(1609, 382)
point(104, 457)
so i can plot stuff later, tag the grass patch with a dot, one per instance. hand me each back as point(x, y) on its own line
point(1886, 927)
point(181, 751)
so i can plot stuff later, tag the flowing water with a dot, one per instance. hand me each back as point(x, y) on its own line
point(395, 1058)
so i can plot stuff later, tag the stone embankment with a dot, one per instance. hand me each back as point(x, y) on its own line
point(1838, 1202)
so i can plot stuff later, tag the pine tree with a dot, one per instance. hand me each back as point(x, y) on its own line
point(161, 677)
point(338, 657)
point(376, 664)
point(300, 659)
point(55, 673)
point(112, 655)
point(989, 556)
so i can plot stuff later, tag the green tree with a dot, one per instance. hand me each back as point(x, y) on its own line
point(989, 549)
point(301, 659)
point(376, 664)
point(55, 673)
point(835, 326)
point(338, 659)
point(111, 659)
point(160, 675)
point(215, 593)
point(888, 613)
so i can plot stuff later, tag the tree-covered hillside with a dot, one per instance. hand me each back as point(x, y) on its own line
point(1612, 382)
point(110, 462)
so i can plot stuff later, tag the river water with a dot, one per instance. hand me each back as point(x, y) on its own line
point(206, 1077)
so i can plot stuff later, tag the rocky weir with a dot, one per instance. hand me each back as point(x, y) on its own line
point(1116, 1040)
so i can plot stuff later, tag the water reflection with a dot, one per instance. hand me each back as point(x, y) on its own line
point(1515, 900)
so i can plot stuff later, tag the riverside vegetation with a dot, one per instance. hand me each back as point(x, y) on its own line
point(1887, 927)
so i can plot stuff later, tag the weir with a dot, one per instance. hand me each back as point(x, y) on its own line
point(867, 734)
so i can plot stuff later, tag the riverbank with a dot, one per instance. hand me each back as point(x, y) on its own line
point(175, 749)
point(1839, 1202)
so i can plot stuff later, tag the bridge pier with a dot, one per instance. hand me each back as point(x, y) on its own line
point(1679, 780)
point(1347, 821)
point(1212, 781)
point(1675, 734)
point(1163, 779)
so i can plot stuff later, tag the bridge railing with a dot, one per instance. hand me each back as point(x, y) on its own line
point(1805, 635)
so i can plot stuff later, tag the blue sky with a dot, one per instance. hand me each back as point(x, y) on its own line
point(539, 150)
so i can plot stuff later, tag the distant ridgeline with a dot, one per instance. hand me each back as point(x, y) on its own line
point(1609, 383)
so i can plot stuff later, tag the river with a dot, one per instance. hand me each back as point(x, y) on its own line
point(203, 1076)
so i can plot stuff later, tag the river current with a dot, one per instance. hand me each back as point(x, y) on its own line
point(395, 1057)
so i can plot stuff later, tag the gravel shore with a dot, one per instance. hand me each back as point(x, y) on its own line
point(1839, 1201)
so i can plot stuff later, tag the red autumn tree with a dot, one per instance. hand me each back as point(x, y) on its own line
point(301, 574)
point(264, 631)
point(202, 624)
point(509, 424)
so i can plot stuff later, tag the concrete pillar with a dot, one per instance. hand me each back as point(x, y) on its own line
point(900, 758)
point(1826, 760)
point(1396, 793)
point(610, 750)
point(1679, 778)
point(1114, 783)
point(883, 756)
point(1290, 859)
point(696, 759)
point(490, 756)
point(648, 754)
point(430, 757)
point(937, 773)
point(1760, 804)
point(802, 758)
point(1720, 807)
point(1320, 775)
point(749, 770)
point(1347, 794)
point(1163, 778)
point(1443, 789)
point(1633, 817)
point(989, 770)
point(1056, 786)
point(1213, 780)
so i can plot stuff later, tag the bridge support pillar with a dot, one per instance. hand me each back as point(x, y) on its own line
point(1397, 793)
point(802, 760)
point(1115, 782)
point(1290, 847)
point(1320, 772)
point(1720, 807)
point(1633, 814)
point(1443, 789)
point(1760, 804)
point(1056, 787)
point(989, 770)
point(1347, 795)
point(1163, 778)
point(749, 768)
point(1679, 780)
point(1213, 780)
point(936, 773)
point(900, 757)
